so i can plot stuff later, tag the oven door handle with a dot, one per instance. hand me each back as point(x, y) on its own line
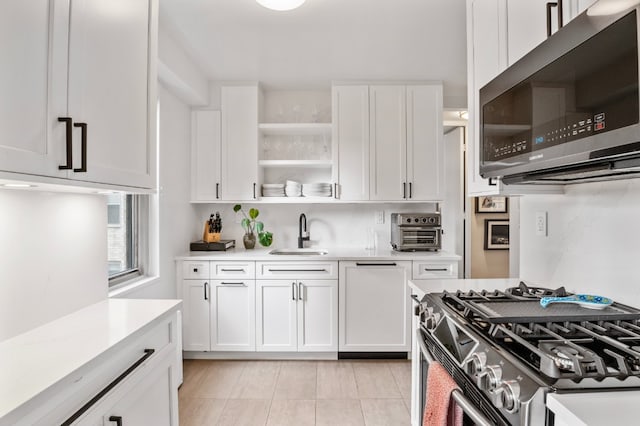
point(474, 414)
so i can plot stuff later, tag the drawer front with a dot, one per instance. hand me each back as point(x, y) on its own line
point(193, 270)
point(297, 270)
point(221, 270)
point(437, 270)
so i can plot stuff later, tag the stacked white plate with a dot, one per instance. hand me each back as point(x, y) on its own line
point(319, 189)
point(273, 189)
point(293, 189)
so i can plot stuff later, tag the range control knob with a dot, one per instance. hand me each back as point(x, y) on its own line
point(476, 363)
point(490, 377)
point(509, 395)
point(431, 321)
point(432, 220)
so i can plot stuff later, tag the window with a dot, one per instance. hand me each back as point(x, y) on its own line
point(123, 215)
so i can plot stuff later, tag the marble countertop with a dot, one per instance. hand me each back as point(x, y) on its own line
point(595, 408)
point(334, 253)
point(35, 361)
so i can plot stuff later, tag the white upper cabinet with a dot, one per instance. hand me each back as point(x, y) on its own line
point(489, 44)
point(239, 153)
point(205, 155)
point(425, 151)
point(350, 111)
point(93, 63)
point(387, 143)
point(33, 86)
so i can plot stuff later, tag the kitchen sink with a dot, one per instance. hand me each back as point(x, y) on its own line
point(299, 252)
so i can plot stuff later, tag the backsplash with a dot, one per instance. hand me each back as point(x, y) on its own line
point(330, 225)
point(593, 242)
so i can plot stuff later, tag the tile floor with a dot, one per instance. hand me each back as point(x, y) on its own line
point(281, 393)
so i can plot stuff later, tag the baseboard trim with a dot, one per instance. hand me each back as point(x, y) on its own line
point(261, 355)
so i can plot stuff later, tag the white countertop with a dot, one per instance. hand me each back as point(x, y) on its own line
point(335, 253)
point(421, 287)
point(34, 361)
point(595, 409)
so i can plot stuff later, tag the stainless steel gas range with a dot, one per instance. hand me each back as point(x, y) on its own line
point(507, 352)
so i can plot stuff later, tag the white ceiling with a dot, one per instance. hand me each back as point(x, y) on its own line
point(325, 40)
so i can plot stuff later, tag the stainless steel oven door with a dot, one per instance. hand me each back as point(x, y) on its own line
point(425, 358)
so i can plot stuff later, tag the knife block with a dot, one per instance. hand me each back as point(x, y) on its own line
point(210, 237)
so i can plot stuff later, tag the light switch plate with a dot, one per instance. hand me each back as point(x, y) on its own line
point(541, 224)
point(380, 217)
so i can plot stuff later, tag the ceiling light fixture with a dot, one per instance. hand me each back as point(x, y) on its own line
point(281, 5)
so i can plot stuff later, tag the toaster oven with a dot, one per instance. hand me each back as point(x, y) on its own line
point(416, 231)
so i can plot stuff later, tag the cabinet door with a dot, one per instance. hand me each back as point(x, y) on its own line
point(152, 401)
point(350, 113)
point(276, 315)
point(205, 156)
point(486, 58)
point(239, 161)
point(112, 88)
point(374, 307)
point(195, 315)
point(33, 79)
point(233, 315)
point(527, 26)
point(387, 143)
point(425, 153)
point(317, 315)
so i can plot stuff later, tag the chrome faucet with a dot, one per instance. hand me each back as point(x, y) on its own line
point(303, 235)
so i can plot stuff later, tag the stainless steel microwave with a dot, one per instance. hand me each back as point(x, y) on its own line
point(568, 111)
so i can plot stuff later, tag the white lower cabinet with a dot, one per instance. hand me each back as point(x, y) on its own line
point(232, 315)
point(296, 306)
point(374, 306)
point(219, 306)
point(195, 315)
point(298, 315)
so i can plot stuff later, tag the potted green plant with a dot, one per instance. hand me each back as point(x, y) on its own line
point(251, 226)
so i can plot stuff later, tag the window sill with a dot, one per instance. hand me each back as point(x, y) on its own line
point(124, 289)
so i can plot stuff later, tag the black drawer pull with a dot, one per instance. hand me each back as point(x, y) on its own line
point(376, 264)
point(217, 191)
point(117, 419)
point(297, 270)
point(232, 270)
point(106, 390)
point(83, 146)
point(69, 143)
point(436, 269)
point(228, 283)
point(206, 296)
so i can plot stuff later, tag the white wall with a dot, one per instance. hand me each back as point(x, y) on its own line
point(593, 243)
point(452, 210)
point(178, 221)
point(53, 248)
point(337, 225)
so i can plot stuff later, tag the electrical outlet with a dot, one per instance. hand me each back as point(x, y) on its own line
point(541, 224)
point(380, 217)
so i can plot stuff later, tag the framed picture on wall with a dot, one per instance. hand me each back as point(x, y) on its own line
point(491, 204)
point(496, 234)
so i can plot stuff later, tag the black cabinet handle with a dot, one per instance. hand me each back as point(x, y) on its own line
point(493, 182)
point(83, 141)
point(297, 270)
point(69, 143)
point(217, 191)
point(410, 190)
point(293, 291)
point(404, 189)
point(550, 5)
point(436, 269)
point(335, 190)
point(195, 269)
point(376, 264)
point(106, 390)
point(254, 190)
point(117, 419)
point(206, 297)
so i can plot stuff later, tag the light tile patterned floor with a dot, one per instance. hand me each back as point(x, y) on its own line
point(281, 393)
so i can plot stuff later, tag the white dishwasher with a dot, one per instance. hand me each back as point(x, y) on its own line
point(374, 307)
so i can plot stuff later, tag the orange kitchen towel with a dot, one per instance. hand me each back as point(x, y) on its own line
point(440, 409)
